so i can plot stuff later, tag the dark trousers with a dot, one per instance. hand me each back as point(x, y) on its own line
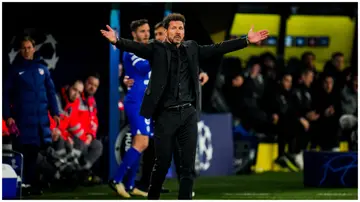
point(148, 161)
point(287, 135)
point(30, 154)
point(173, 125)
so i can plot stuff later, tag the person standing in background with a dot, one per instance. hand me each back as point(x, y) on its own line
point(29, 94)
point(140, 128)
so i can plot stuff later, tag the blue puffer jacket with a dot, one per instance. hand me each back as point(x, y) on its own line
point(28, 96)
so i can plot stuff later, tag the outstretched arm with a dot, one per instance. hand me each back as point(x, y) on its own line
point(139, 49)
point(232, 45)
point(208, 51)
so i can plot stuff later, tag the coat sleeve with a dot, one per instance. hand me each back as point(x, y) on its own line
point(51, 94)
point(140, 64)
point(208, 51)
point(140, 49)
point(7, 94)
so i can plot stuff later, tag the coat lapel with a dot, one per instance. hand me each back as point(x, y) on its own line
point(190, 61)
point(168, 55)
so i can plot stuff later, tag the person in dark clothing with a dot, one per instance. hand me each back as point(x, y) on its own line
point(172, 96)
point(294, 68)
point(349, 110)
point(304, 113)
point(270, 74)
point(254, 116)
point(282, 111)
point(308, 59)
point(28, 96)
point(327, 104)
point(334, 68)
point(232, 88)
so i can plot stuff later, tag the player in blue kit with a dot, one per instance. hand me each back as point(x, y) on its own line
point(141, 128)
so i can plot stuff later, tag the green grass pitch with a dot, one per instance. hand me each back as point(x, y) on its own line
point(256, 186)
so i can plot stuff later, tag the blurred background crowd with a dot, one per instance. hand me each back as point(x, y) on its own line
point(297, 90)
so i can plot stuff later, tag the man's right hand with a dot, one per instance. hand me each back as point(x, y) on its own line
point(9, 122)
point(110, 35)
point(128, 82)
point(55, 134)
point(305, 123)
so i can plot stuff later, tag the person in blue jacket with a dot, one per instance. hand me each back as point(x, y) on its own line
point(28, 98)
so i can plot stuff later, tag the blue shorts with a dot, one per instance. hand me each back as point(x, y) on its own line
point(138, 123)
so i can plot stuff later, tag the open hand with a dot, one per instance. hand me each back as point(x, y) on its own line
point(110, 35)
point(256, 37)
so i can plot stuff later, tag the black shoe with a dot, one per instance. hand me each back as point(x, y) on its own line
point(36, 191)
point(164, 190)
point(25, 191)
point(91, 180)
point(291, 163)
point(281, 161)
point(112, 185)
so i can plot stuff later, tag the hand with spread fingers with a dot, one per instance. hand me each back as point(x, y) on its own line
point(256, 37)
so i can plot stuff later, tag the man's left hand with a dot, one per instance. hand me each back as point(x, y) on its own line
point(89, 138)
point(204, 78)
point(57, 120)
point(256, 37)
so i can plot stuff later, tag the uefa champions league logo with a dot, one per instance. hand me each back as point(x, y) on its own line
point(47, 50)
point(123, 143)
point(204, 150)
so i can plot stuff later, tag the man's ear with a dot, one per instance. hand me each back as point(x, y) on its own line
point(133, 35)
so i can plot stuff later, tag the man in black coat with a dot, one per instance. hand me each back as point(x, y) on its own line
point(172, 95)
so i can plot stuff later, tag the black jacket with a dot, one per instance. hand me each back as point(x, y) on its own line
point(303, 101)
point(282, 103)
point(159, 57)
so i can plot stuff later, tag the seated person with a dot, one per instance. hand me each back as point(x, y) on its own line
point(349, 108)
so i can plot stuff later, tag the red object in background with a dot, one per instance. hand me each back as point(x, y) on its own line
point(121, 106)
point(5, 130)
point(88, 115)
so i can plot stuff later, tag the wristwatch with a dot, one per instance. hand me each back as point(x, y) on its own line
point(247, 40)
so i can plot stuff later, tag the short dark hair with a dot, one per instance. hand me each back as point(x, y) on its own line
point(337, 54)
point(94, 74)
point(27, 38)
point(158, 25)
point(306, 54)
point(173, 17)
point(73, 82)
point(306, 71)
point(137, 23)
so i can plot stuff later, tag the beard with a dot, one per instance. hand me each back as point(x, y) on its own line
point(176, 40)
